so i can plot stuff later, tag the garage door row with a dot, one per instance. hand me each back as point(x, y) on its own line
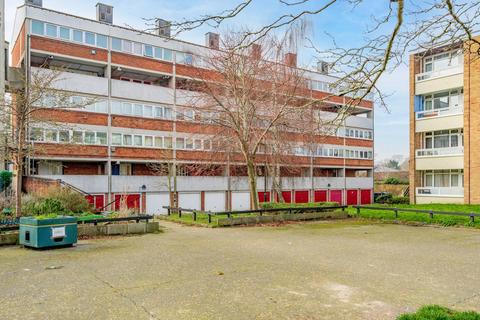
point(216, 201)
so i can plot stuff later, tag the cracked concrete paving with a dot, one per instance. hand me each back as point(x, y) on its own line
point(321, 270)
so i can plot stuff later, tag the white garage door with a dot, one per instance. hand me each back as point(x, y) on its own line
point(215, 201)
point(240, 201)
point(155, 202)
point(188, 200)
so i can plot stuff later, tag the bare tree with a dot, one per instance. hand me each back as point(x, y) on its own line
point(29, 98)
point(250, 95)
point(401, 26)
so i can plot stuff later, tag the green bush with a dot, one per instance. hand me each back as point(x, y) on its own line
point(384, 198)
point(5, 179)
point(59, 201)
point(399, 200)
point(393, 180)
point(435, 312)
point(278, 205)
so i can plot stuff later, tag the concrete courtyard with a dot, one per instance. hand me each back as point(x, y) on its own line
point(322, 270)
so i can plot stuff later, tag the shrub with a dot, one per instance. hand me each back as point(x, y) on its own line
point(393, 180)
point(399, 200)
point(72, 201)
point(435, 312)
point(56, 201)
point(385, 198)
point(5, 179)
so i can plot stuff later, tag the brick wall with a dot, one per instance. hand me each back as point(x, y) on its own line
point(414, 177)
point(38, 185)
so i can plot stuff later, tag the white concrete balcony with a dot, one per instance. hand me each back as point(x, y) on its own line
point(428, 114)
point(440, 80)
point(75, 82)
point(439, 152)
point(142, 92)
point(351, 121)
point(440, 191)
point(439, 119)
point(439, 74)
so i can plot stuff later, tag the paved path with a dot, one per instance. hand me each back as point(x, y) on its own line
point(340, 270)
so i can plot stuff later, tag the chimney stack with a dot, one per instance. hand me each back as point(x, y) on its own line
point(212, 40)
point(37, 3)
point(163, 28)
point(291, 59)
point(256, 51)
point(104, 13)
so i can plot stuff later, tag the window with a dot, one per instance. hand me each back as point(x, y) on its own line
point(158, 112)
point(207, 145)
point(138, 140)
point(127, 140)
point(127, 108)
point(180, 143)
point(168, 113)
point(116, 139)
point(64, 136)
point(50, 135)
point(137, 48)
point(38, 27)
point(158, 53)
point(148, 111)
point(51, 30)
point(148, 141)
point(89, 137)
point(428, 180)
point(36, 134)
point(101, 106)
point(138, 109)
point(77, 137)
point(117, 107)
point(116, 44)
point(127, 46)
point(441, 179)
point(168, 142)
point(102, 41)
point(198, 144)
point(440, 100)
point(189, 144)
point(64, 33)
point(102, 138)
point(158, 142)
point(148, 51)
point(90, 38)
point(77, 36)
point(167, 54)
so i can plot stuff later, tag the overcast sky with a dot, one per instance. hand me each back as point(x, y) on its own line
point(391, 127)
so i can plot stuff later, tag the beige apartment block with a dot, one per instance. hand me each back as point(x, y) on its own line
point(444, 121)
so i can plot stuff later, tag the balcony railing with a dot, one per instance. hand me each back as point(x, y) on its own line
point(427, 114)
point(440, 73)
point(440, 191)
point(439, 152)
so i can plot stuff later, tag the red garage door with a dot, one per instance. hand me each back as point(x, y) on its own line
point(336, 196)
point(287, 196)
point(98, 200)
point(264, 196)
point(320, 195)
point(131, 200)
point(366, 196)
point(352, 197)
point(301, 196)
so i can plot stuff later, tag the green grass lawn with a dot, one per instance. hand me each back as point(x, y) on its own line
point(445, 220)
point(435, 312)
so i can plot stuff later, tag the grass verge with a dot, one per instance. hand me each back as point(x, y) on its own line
point(435, 312)
point(444, 220)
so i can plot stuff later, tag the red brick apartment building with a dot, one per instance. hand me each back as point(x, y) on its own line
point(106, 149)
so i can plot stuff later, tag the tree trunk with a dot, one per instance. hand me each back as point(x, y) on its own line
point(18, 184)
point(277, 183)
point(252, 182)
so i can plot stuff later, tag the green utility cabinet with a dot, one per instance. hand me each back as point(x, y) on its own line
point(48, 233)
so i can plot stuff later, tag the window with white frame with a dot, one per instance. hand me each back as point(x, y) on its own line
point(443, 178)
point(442, 61)
point(60, 135)
point(443, 139)
point(443, 100)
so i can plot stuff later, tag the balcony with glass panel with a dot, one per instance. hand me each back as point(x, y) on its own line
point(438, 111)
point(440, 72)
point(441, 149)
point(440, 186)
